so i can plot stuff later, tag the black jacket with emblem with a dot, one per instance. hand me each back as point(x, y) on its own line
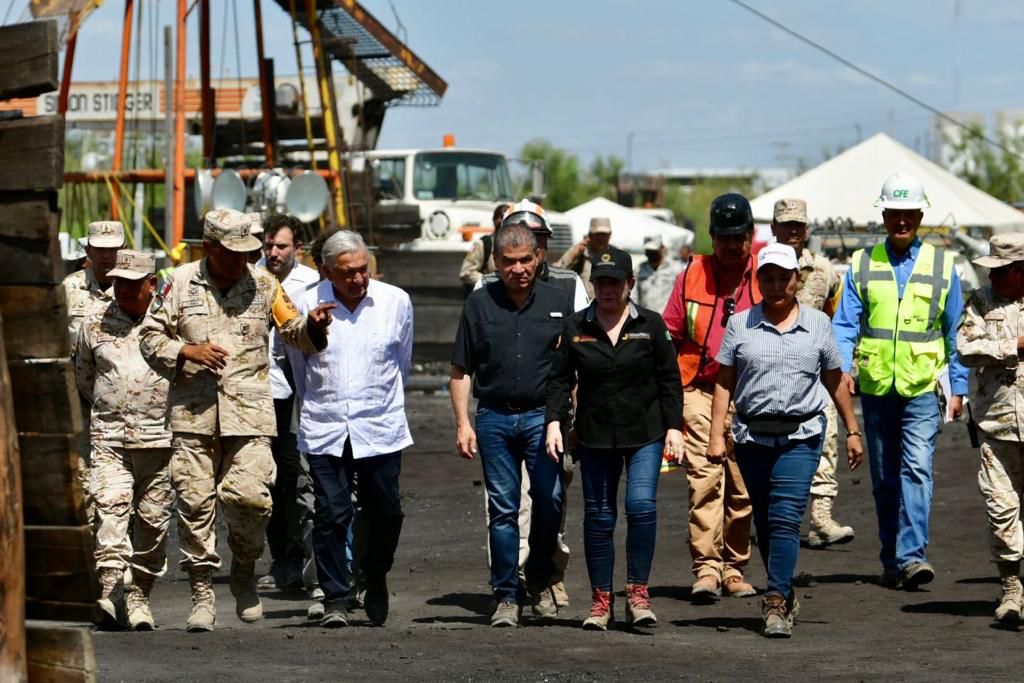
point(628, 394)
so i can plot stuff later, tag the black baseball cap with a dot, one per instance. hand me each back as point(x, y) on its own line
point(613, 263)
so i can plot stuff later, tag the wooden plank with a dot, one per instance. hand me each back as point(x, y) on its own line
point(12, 556)
point(28, 215)
point(45, 397)
point(35, 320)
point(60, 652)
point(87, 612)
point(32, 153)
point(57, 550)
point(28, 59)
point(51, 494)
point(63, 587)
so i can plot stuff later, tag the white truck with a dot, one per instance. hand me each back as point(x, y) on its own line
point(439, 199)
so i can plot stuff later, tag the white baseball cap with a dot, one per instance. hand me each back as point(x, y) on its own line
point(781, 255)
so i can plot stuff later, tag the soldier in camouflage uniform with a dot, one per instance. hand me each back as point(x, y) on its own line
point(991, 340)
point(579, 256)
point(656, 277)
point(131, 447)
point(820, 287)
point(85, 290)
point(207, 332)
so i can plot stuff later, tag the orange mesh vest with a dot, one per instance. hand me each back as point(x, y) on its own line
point(701, 305)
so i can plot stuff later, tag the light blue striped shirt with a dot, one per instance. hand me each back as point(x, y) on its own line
point(779, 373)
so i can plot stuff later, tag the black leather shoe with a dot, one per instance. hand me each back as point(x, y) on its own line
point(376, 602)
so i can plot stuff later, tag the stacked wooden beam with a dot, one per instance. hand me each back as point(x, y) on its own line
point(58, 573)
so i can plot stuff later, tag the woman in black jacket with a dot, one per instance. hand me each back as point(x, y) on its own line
point(629, 412)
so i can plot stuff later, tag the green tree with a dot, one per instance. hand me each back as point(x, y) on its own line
point(603, 177)
point(999, 172)
point(562, 186)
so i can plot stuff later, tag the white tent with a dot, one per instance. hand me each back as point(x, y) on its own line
point(847, 185)
point(629, 227)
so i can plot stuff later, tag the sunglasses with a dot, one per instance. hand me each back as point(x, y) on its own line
point(729, 309)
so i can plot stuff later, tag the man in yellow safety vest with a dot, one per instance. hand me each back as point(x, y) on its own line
point(900, 308)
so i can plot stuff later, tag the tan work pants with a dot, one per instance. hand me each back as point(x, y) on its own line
point(128, 482)
point(1001, 481)
point(824, 483)
point(719, 512)
point(237, 472)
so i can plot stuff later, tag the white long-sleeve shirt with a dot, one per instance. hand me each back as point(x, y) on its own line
point(355, 388)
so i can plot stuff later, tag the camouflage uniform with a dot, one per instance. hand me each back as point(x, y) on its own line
point(131, 446)
point(819, 284)
point(473, 266)
point(222, 421)
point(654, 287)
point(577, 259)
point(987, 341)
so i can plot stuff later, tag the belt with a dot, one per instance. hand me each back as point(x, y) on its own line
point(778, 425)
point(512, 406)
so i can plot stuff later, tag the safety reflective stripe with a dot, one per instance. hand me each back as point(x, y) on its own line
point(864, 272)
point(939, 284)
point(904, 335)
point(692, 309)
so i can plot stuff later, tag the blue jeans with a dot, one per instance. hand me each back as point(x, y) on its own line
point(901, 436)
point(778, 479)
point(507, 439)
point(601, 469)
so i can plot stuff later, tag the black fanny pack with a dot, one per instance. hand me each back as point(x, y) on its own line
point(776, 425)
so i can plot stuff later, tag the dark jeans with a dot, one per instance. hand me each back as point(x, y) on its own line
point(376, 485)
point(284, 532)
point(778, 479)
point(507, 439)
point(901, 435)
point(601, 469)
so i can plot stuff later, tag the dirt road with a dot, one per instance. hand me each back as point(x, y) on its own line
point(850, 628)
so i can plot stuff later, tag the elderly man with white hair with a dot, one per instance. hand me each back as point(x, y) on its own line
point(352, 422)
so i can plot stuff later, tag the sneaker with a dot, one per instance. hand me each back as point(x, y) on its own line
point(600, 611)
point(274, 579)
point(706, 589)
point(377, 602)
point(1009, 609)
point(916, 575)
point(736, 587)
point(506, 614)
point(542, 603)
point(825, 531)
point(638, 606)
point(335, 614)
point(315, 610)
point(561, 596)
point(777, 622)
point(889, 578)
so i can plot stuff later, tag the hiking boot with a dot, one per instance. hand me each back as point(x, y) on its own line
point(561, 596)
point(111, 600)
point(203, 616)
point(736, 587)
point(243, 587)
point(1009, 609)
point(506, 613)
point(600, 611)
point(889, 578)
point(335, 614)
point(706, 589)
point(377, 602)
point(638, 606)
point(916, 575)
point(542, 603)
point(140, 617)
point(825, 531)
point(777, 622)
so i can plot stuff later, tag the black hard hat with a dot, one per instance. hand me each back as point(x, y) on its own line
point(731, 215)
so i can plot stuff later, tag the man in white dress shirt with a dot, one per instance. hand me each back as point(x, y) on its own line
point(281, 245)
point(352, 422)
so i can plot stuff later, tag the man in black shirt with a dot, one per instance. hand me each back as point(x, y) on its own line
point(506, 340)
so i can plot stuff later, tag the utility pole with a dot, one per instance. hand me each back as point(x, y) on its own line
point(168, 138)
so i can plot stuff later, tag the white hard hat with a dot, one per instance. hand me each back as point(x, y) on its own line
point(902, 191)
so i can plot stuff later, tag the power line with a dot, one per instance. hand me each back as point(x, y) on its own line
point(867, 74)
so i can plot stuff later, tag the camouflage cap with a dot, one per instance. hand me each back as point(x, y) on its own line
point(232, 229)
point(255, 223)
point(790, 211)
point(133, 265)
point(1003, 249)
point(105, 235)
point(600, 225)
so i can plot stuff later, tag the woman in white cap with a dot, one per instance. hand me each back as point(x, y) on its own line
point(775, 359)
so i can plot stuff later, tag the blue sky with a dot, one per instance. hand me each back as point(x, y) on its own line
point(699, 83)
